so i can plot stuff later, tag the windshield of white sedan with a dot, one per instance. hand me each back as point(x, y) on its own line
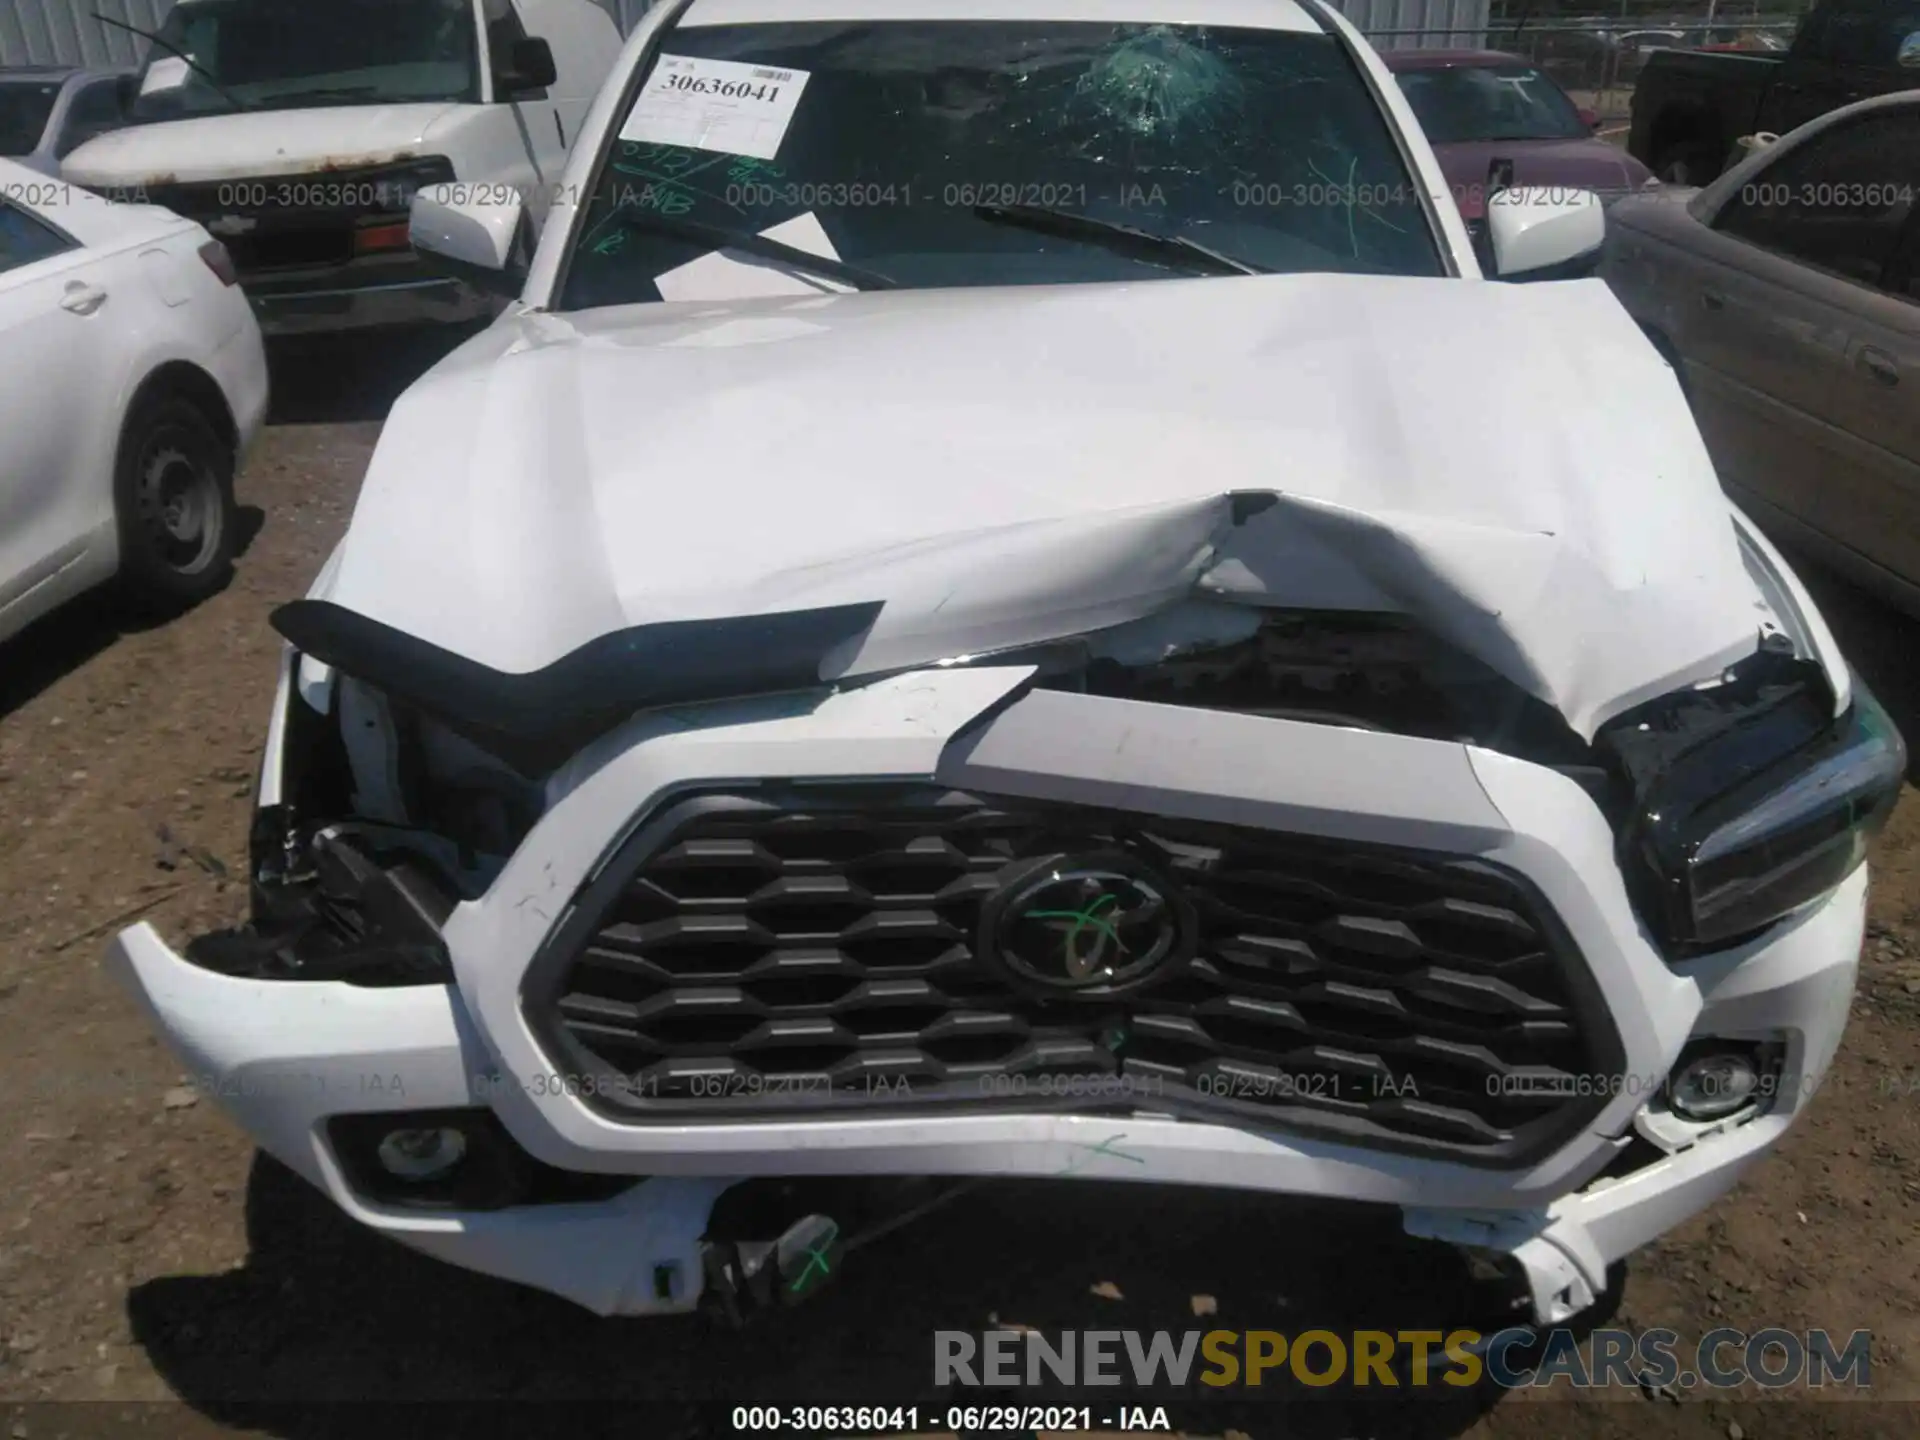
point(996, 153)
point(24, 108)
point(1461, 104)
point(214, 56)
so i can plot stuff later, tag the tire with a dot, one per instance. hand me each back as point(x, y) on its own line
point(173, 502)
point(1689, 162)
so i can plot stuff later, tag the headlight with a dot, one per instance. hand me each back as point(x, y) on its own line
point(1751, 803)
point(405, 180)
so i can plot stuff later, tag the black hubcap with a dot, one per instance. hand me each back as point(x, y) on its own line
point(180, 511)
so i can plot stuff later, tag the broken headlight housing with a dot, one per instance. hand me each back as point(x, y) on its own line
point(381, 822)
point(1750, 799)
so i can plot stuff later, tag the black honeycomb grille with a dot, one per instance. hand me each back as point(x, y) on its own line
point(748, 956)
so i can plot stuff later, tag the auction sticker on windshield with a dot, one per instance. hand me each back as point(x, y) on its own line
point(719, 105)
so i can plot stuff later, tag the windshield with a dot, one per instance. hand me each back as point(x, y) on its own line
point(24, 108)
point(944, 153)
point(276, 54)
point(1461, 104)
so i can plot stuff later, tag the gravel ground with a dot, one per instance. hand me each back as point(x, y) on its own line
point(146, 1254)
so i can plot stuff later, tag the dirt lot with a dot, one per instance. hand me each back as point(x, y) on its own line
point(146, 1256)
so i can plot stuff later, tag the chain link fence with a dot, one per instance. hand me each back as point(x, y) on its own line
point(1597, 59)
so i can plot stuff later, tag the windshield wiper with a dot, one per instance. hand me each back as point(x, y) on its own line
point(174, 50)
point(340, 92)
point(1125, 239)
point(718, 237)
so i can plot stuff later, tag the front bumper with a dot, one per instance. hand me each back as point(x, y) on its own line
point(285, 1056)
point(363, 295)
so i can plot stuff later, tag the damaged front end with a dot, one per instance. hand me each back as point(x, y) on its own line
point(377, 817)
point(1734, 801)
point(374, 822)
point(402, 797)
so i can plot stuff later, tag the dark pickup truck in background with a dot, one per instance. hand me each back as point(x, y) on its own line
point(1691, 107)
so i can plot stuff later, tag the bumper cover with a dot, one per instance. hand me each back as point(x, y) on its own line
point(361, 296)
point(283, 1056)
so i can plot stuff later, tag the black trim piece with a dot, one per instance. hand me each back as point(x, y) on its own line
point(355, 916)
point(1245, 504)
point(604, 1089)
point(540, 717)
point(1584, 266)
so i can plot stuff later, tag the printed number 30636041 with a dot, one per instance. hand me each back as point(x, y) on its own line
point(756, 90)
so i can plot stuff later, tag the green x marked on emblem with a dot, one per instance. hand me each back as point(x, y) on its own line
point(1075, 923)
point(816, 1260)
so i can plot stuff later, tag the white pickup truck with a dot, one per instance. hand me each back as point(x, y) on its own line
point(1009, 601)
point(298, 134)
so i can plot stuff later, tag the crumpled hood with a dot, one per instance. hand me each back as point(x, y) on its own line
point(1513, 465)
point(252, 143)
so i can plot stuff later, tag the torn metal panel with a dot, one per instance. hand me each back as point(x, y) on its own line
point(1511, 465)
point(1155, 759)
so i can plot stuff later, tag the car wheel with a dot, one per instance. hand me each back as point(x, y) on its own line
point(173, 499)
point(1687, 164)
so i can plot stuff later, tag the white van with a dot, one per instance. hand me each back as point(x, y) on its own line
point(297, 132)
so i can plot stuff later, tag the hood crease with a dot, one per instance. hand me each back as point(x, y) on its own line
point(1512, 466)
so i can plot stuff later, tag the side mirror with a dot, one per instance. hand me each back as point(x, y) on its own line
point(468, 240)
point(1539, 233)
point(1589, 118)
point(527, 65)
point(1909, 54)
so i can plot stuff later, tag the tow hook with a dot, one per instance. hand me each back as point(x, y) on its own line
point(745, 1277)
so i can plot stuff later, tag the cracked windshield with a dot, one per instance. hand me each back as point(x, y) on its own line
point(977, 153)
point(221, 55)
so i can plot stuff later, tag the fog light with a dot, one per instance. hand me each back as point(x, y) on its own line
point(1713, 1086)
point(419, 1155)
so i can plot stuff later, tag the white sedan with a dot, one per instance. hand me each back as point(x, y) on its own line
point(132, 380)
